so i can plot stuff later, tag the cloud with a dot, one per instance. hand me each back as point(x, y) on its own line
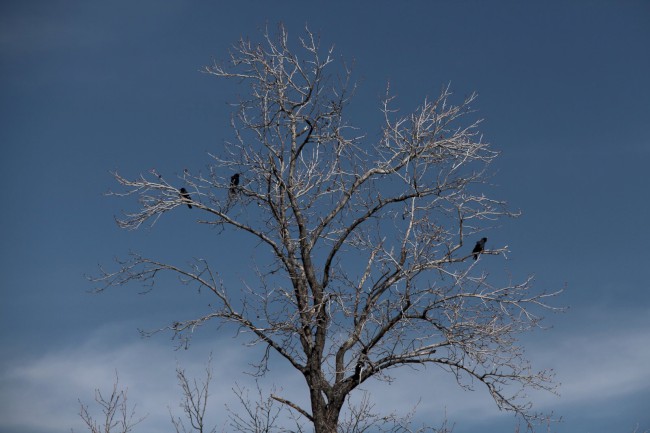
point(602, 364)
point(41, 394)
point(594, 369)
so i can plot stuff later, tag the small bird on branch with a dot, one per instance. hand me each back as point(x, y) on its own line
point(479, 247)
point(234, 182)
point(185, 197)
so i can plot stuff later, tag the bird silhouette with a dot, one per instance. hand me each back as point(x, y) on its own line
point(234, 182)
point(479, 247)
point(185, 197)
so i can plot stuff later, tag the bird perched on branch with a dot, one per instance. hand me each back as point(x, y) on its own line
point(185, 197)
point(360, 367)
point(479, 247)
point(234, 182)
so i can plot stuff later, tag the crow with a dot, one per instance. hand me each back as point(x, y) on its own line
point(360, 367)
point(479, 247)
point(234, 181)
point(185, 197)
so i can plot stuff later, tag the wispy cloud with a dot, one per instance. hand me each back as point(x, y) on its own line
point(41, 394)
point(602, 364)
point(592, 367)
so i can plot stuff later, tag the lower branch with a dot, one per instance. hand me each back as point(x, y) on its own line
point(293, 406)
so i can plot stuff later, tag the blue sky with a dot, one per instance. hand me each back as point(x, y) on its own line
point(89, 87)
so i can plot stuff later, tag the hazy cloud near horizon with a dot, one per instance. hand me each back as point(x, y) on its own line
point(594, 367)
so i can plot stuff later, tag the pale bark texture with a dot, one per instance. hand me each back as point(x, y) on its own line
point(369, 236)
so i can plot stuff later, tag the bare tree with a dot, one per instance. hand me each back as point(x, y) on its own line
point(369, 240)
point(118, 417)
point(256, 415)
point(194, 403)
point(361, 418)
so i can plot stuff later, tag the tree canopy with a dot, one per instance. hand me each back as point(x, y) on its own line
point(369, 241)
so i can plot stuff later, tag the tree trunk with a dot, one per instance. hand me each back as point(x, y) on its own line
point(326, 419)
point(325, 407)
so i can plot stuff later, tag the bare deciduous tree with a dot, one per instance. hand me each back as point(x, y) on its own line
point(258, 415)
point(369, 240)
point(361, 418)
point(118, 417)
point(194, 403)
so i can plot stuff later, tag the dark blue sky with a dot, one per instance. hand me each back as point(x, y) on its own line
point(90, 87)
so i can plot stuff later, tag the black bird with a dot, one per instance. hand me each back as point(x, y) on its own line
point(479, 247)
point(360, 367)
point(234, 181)
point(185, 197)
